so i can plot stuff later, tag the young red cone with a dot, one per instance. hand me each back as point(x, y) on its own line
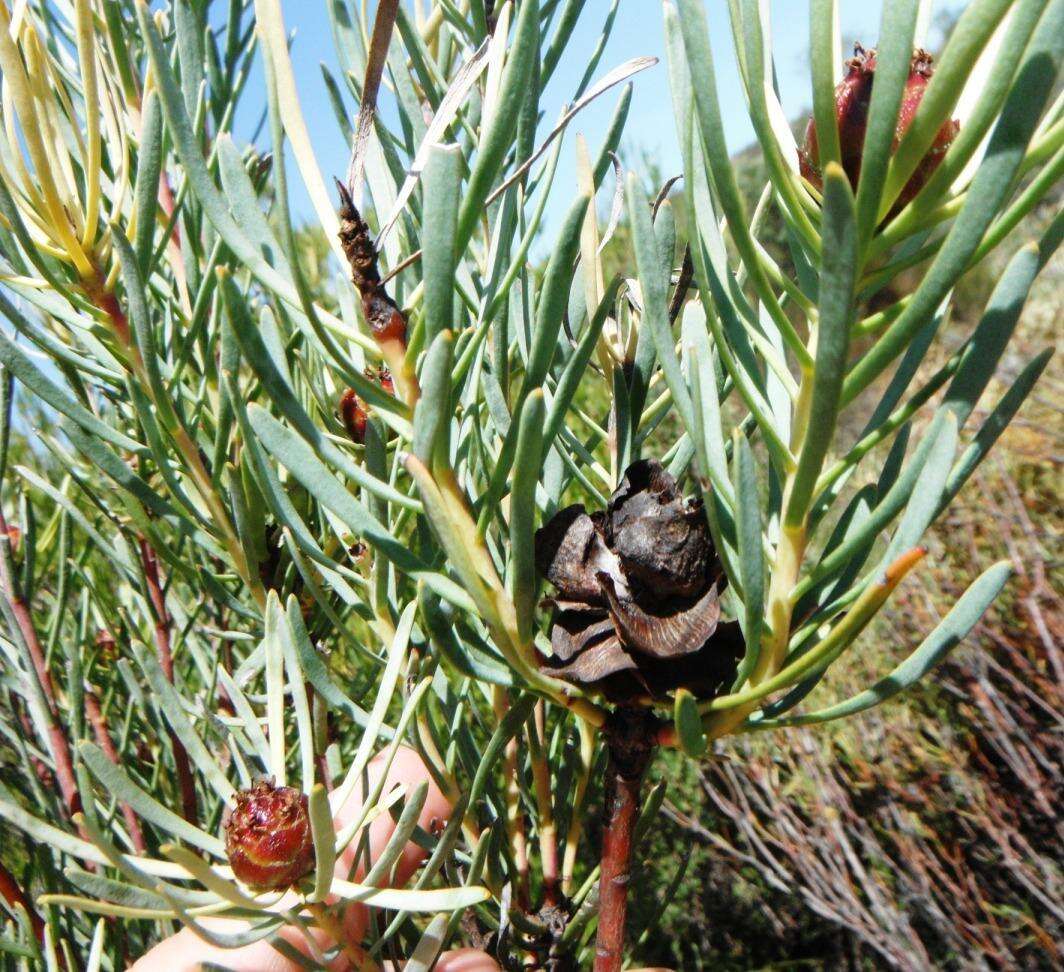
point(353, 414)
point(268, 838)
point(852, 99)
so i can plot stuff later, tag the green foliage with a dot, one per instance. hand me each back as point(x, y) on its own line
point(246, 550)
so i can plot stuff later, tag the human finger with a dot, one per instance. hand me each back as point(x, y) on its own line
point(188, 951)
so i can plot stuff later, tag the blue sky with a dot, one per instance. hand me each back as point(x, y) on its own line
point(637, 31)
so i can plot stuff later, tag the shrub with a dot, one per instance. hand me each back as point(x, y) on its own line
point(275, 521)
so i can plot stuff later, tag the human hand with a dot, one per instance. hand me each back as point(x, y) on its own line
point(187, 952)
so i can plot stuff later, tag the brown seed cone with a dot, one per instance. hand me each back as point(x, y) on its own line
point(637, 610)
point(268, 838)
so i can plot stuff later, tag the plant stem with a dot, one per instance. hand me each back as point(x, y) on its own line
point(515, 828)
point(631, 736)
point(546, 829)
point(334, 928)
point(97, 290)
point(11, 891)
point(182, 764)
point(576, 824)
point(98, 721)
point(57, 742)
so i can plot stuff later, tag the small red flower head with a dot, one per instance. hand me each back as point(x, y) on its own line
point(268, 838)
point(852, 99)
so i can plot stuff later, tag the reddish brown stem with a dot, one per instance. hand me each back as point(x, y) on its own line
point(103, 298)
point(631, 735)
point(14, 895)
point(158, 603)
point(103, 740)
point(44, 773)
point(57, 740)
point(185, 781)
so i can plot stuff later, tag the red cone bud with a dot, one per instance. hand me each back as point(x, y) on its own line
point(268, 838)
point(852, 99)
point(382, 376)
point(384, 318)
point(354, 416)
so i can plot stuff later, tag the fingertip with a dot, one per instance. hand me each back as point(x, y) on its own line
point(406, 769)
point(466, 960)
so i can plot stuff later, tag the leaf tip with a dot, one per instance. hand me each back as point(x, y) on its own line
point(903, 564)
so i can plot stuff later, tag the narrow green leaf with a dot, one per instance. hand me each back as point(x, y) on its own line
point(121, 787)
point(433, 412)
point(226, 888)
point(990, 338)
point(121, 893)
point(923, 505)
point(653, 286)
point(508, 727)
point(894, 53)
point(948, 633)
point(838, 274)
point(709, 429)
point(495, 141)
point(553, 295)
point(324, 834)
point(566, 23)
point(528, 462)
point(853, 519)
point(751, 551)
point(244, 203)
point(822, 59)
point(688, 722)
point(440, 182)
point(297, 692)
point(996, 423)
point(423, 958)
point(414, 802)
point(251, 723)
point(420, 902)
point(146, 184)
